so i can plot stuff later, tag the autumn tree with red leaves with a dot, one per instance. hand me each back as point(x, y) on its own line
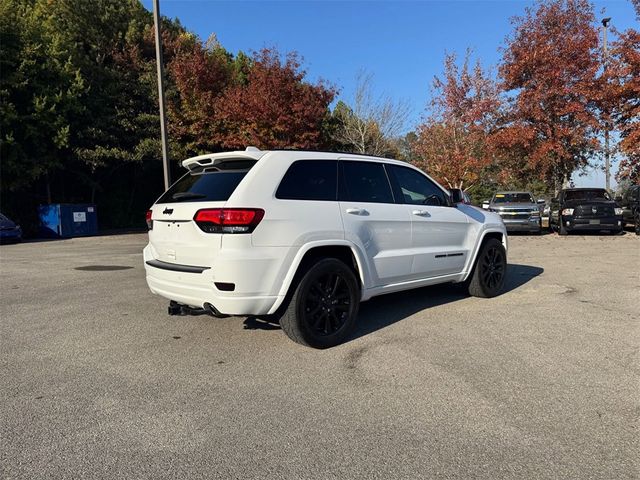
point(276, 107)
point(452, 143)
point(550, 66)
point(624, 69)
point(199, 74)
point(218, 102)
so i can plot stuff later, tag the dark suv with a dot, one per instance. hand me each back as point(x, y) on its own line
point(630, 203)
point(585, 209)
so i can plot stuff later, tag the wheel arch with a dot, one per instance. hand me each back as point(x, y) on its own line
point(342, 250)
point(486, 235)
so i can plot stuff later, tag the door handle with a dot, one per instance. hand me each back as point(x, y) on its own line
point(421, 213)
point(356, 211)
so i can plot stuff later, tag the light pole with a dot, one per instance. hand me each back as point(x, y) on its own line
point(607, 162)
point(163, 120)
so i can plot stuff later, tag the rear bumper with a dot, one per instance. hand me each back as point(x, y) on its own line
point(196, 289)
point(197, 296)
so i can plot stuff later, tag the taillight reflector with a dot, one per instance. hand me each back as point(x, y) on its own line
point(228, 220)
point(149, 221)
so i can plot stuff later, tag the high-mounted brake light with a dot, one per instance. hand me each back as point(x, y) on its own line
point(149, 221)
point(228, 220)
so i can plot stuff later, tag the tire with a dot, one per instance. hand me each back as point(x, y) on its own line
point(636, 221)
point(490, 270)
point(562, 230)
point(323, 308)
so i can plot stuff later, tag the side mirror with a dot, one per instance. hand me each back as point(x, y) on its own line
point(541, 201)
point(457, 195)
point(485, 205)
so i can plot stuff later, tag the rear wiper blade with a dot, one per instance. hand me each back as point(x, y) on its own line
point(187, 195)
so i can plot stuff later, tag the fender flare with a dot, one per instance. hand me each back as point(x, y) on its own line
point(361, 266)
point(483, 234)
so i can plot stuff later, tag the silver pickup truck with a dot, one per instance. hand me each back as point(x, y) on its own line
point(519, 211)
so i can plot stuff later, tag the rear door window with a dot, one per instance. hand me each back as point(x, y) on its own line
point(365, 182)
point(310, 180)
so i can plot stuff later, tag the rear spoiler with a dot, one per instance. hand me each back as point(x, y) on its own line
point(224, 160)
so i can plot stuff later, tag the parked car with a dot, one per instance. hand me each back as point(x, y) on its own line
point(304, 237)
point(630, 203)
point(585, 209)
point(519, 211)
point(9, 231)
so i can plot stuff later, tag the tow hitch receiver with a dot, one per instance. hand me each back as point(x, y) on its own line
point(176, 308)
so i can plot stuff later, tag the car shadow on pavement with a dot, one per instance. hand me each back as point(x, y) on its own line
point(383, 311)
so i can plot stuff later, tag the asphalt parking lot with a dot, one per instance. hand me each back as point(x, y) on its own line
point(541, 382)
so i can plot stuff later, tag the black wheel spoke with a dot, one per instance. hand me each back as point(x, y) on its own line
point(315, 291)
point(336, 284)
point(327, 324)
point(492, 268)
point(316, 320)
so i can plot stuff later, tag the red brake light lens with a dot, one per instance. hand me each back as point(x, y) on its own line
point(228, 220)
point(149, 221)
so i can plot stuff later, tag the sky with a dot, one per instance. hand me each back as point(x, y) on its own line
point(402, 43)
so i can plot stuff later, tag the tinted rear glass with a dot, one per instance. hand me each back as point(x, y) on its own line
point(366, 182)
point(310, 180)
point(203, 187)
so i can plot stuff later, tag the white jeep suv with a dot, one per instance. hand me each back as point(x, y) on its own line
point(304, 237)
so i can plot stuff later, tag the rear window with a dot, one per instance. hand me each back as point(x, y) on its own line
point(203, 187)
point(310, 180)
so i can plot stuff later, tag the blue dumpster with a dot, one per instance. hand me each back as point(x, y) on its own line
point(64, 220)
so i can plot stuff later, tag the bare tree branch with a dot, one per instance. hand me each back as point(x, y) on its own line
point(371, 123)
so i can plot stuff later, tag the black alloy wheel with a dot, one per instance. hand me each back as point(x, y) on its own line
point(324, 306)
point(327, 302)
point(492, 267)
point(490, 272)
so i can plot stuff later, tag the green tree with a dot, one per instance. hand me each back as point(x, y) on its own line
point(40, 90)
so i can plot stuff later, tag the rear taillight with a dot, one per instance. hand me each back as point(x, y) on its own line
point(149, 221)
point(228, 220)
